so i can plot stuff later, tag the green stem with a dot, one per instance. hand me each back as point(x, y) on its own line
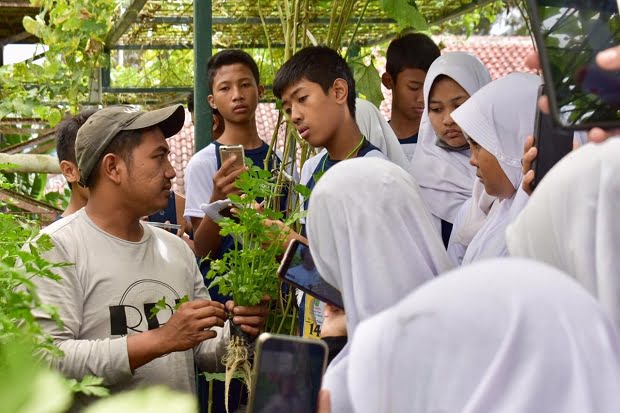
point(210, 402)
point(288, 307)
point(357, 26)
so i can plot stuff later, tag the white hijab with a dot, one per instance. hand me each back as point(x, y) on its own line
point(499, 117)
point(375, 128)
point(446, 177)
point(572, 221)
point(372, 238)
point(505, 335)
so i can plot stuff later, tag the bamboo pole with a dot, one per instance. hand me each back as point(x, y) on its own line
point(29, 163)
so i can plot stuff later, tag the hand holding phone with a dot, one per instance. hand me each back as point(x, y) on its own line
point(287, 374)
point(232, 167)
point(228, 151)
point(569, 35)
point(297, 268)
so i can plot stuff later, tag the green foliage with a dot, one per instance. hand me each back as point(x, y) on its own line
point(156, 399)
point(90, 386)
point(367, 80)
point(406, 13)
point(248, 271)
point(73, 32)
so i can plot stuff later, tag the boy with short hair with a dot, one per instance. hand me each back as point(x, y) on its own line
point(235, 90)
point(408, 59)
point(317, 90)
point(66, 132)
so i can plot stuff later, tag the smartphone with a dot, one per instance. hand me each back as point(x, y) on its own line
point(297, 268)
point(551, 141)
point(569, 34)
point(226, 151)
point(287, 374)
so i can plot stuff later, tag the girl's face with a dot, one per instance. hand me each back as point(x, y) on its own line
point(490, 173)
point(445, 96)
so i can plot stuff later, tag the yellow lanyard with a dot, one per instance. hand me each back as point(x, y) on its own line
point(357, 148)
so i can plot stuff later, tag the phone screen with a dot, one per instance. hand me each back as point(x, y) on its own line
point(553, 144)
point(569, 34)
point(288, 375)
point(298, 269)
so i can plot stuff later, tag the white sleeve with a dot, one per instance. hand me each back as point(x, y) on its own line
point(198, 185)
point(106, 358)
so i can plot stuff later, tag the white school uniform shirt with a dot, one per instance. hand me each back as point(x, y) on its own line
point(504, 335)
point(571, 221)
point(499, 117)
point(446, 177)
point(378, 131)
point(372, 238)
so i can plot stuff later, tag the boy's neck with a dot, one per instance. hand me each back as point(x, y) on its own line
point(76, 202)
point(241, 134)
point(403, 127)
point(344, 142)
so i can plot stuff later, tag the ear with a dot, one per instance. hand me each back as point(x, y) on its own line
point(113, 167)
point(70, 171)
point(387, 81)
point(340, 90)
point(211, 100)
point(261, 91)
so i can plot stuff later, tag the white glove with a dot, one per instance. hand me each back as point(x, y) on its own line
point(213, 209)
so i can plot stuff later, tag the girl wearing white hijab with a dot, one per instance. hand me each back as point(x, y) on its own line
point(497, 132)
point(504, 335)
point(362, 246)
point(577, 231)
point(441, 162)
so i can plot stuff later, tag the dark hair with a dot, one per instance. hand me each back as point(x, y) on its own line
point(190, 102)
point(66, 132)
point(122, 145)
point(410, 51)
point(318, 64)
point(230, 57)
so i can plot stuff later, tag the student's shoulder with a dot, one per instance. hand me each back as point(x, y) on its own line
point(205, 157)
point(63, 225)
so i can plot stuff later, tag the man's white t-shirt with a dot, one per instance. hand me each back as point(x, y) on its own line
point(109, 293)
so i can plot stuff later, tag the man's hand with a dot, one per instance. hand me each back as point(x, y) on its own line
point(224, 180)
point(324, 405)
point(250, 319)
point(190, 324)
point(607, 59)
point(188, 327)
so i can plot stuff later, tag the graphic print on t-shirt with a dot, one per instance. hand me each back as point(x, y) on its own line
point(133, 311)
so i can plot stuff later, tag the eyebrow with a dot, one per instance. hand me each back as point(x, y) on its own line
point(162, 148)
point(416, 82)
point(293, 94)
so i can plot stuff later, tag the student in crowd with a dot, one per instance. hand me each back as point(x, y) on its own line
point(577, 231)
point(408, 59)
point(317, 90)
point(235, 90)
point(441, 163)
point(372, 238)
point(217, 122)
point(66, 132)
point(496, 133)
point(504, 335)
point(377, 130)
point(123, 267)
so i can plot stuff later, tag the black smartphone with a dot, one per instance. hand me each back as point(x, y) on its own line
point(551, 141)
point(569, 34)
point(297, 268)
point(287, 374)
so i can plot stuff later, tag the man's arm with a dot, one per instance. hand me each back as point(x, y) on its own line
point(114, 359)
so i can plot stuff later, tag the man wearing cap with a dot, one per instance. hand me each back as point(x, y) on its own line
point(123, 269)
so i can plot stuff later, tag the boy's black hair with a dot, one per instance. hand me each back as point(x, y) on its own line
point(318, 64)
point(230, 57)
point(190, 102)
point(410, 51)
point(66, 132)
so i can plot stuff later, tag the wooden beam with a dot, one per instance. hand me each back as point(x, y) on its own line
point(29, 163)
point(124, 22)
point(16, 38)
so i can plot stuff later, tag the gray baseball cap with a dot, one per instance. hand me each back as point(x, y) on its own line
point(102, 127)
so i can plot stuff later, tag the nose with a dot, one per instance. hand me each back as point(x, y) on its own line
point(296, 115)
point(169, 172)
point(473, 158)
point(447, 119)
point(237, 95)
